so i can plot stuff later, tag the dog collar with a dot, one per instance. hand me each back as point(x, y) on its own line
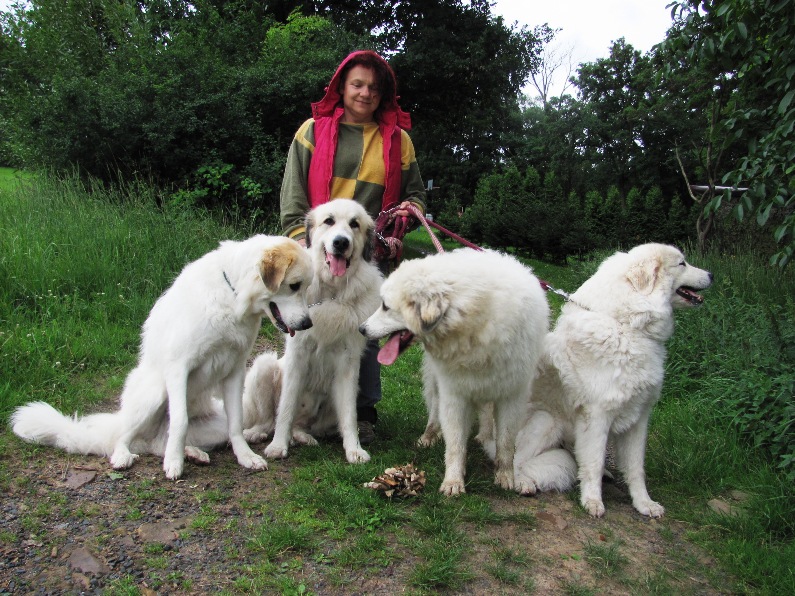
point(321, 302)
point(229, 283)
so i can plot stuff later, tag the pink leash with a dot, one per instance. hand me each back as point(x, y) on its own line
point(546, 286)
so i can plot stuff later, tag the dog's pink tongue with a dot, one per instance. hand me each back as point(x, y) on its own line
point(390, 351)
point(338, 265)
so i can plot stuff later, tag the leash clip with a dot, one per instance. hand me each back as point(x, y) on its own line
point(550, 288)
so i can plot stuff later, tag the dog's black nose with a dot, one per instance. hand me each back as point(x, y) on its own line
point(305, 323)
point(341, 244)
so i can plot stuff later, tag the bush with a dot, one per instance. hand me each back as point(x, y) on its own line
point(738, 354)
point(764, 412)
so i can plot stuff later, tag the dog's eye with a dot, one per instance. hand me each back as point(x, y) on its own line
point(296, 286)
point(682, 264)
point(354, 224)
point(329, 221)
point(384, 306)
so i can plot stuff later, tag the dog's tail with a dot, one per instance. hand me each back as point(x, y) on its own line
point(555, 469)
point(39, 422)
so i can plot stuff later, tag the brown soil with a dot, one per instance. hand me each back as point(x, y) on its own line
point(71, 524)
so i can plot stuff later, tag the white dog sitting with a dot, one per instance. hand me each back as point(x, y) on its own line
point(194, 346)
point(601, 374)
point(319, 371)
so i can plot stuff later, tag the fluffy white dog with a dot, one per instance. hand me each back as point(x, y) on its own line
point(319, 371)
point(194, 346)
point(601, 374)
point(481, 318)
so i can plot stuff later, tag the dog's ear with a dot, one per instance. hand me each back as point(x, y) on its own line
point(644, 274)
point(274, 264)
point(430, 310)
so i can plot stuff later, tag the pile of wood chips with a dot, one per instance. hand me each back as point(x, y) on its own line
point(405, 481)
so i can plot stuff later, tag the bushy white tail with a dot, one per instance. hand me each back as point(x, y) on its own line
point(555, 469)
point(39, 422)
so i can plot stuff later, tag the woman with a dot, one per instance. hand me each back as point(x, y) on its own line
point(355, 146)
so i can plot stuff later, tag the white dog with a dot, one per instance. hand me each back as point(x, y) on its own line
point(320, 368)
point(601, 374)
point(481, 318)
point(194, 345)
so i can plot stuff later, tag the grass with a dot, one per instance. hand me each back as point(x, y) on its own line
point(82, 266)
point(80, 272)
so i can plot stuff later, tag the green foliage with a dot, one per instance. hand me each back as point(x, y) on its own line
point(204, 98)
point(82, 266)
point(460, 71)
point(750, 41)
point(765, 412)
point(520, 212)
point(753, 356)
point(168, 89)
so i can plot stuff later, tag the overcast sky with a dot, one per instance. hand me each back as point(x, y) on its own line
point(588, 27)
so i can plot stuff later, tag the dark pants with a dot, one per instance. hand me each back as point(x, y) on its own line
point(369, 383)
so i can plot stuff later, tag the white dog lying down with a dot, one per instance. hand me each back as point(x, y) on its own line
point(481, 318)
point(194, 345)
point(601, 374)
point(320, 367)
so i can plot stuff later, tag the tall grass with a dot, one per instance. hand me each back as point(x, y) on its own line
point(727, 418)
point(81, 268)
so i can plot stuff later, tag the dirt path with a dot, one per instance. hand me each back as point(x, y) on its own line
point(70, 524)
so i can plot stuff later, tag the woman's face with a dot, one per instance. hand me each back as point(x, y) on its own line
point(360, 95)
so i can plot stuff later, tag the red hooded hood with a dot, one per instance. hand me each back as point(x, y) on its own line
point(328, 113)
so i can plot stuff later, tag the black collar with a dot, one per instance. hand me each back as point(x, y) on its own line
point(229, 283)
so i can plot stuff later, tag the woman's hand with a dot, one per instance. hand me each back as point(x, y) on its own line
point(403, 209)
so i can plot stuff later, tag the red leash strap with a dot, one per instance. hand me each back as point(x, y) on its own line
point(545, 285)
point(418, 214)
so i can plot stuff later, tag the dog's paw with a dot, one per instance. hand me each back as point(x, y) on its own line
point(527, 487)
point(650, 508)
point(594, 507)
point(173, 468)
point(504, 479)
point(452, 488)
point(196, 455)
point(427, 440)
point(252, 461)
point(357, 456)
point(122, 459)
point(258, 433)
point(303, 438)
point(274, 451)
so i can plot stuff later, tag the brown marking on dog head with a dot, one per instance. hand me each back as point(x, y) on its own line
point(275, 263)
point(644, 274)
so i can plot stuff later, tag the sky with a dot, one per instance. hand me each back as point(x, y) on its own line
point(588, 27)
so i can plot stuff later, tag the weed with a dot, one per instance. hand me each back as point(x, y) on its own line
point(606, 559)
point(275, 539)
point(204, 520)
point(574, 588)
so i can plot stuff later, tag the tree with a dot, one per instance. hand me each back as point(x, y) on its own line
point(553, 59)
point(614, 93)
point(751, 41)
point(460, 72)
